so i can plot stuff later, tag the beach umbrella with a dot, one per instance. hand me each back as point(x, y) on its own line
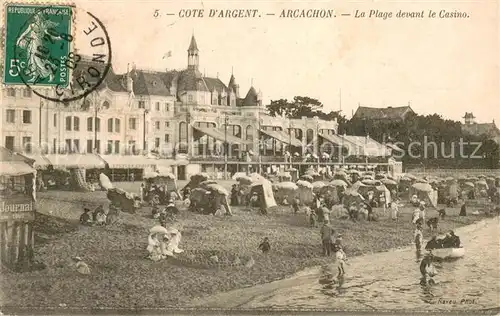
point(158, 229)
point(302, 183)
point(307, 177)
point(462, 177)
point(105, 182)
point(286, 185)
point(354, 171)
point(217, 188)
point(255, 177)
point(338, 183)
point(207, 182)
point(410, 176)
point(368, 182)
point(389, 182)
point(352, 193)
point(449, 179)
point(245, 180)
point(380, 176)
point(318, 184)
point(469, 184)
point(425, 187)
point(357, 185)
point(150, 175)
point(420, 180)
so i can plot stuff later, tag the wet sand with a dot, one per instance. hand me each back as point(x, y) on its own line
point(387, 281)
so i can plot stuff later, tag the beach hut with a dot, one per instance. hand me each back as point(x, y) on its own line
point(264, 191)
point(424, 192)
point(166, 179)
point(284, 192)
point(17, 210)
point(305, 192)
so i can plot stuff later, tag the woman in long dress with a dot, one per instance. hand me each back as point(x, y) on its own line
point(30, 40)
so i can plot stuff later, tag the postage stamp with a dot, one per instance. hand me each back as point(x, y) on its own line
point(41, 51)
point(38, 42)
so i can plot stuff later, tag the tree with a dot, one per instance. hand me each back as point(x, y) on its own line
point(304, 106)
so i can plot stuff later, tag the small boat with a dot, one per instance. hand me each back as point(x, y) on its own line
point(449, 253)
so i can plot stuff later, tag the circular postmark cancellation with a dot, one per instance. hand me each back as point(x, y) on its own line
point(40, 51)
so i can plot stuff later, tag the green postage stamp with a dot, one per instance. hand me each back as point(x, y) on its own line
point(37, 44)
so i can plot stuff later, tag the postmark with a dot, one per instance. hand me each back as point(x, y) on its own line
point(42, 51)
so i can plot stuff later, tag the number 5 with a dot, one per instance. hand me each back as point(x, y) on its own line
point(157, 13)
point(14, 67)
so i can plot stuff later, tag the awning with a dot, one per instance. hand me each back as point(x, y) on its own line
point(40, 161)
point(15, 168)
point(86, 161)
point(221, 135)
point(334, 139)
point(283, 137)
point(129, 161)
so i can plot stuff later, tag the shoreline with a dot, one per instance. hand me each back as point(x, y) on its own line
point(247, 293)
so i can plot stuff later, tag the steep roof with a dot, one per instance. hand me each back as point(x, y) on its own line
point(149, 83)
point(215, 84)
point(478, 129)
point(251, 98)
point(388, 113)
point(192, 45)
point(469, 115)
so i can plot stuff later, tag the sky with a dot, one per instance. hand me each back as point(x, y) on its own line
point(443, 66)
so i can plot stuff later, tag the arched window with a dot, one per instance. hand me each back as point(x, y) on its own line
point(237, 130)
point(76, 123)
point(117, 125)
point(105, 105)
point(90, 121)
point(183, 137)
point(298, 134)
point(309, 136)
point(110, 125)
point(97, 124)
point(68, 123)
point(249, 136)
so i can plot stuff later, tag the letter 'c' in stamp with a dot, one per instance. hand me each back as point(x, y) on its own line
point(40, 51)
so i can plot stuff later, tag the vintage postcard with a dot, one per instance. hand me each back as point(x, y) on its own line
point(250, 157)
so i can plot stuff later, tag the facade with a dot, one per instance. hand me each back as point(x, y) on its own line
point(489, 129)
point(168, 113)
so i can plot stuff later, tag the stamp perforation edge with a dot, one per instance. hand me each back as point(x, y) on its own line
point(3, 35)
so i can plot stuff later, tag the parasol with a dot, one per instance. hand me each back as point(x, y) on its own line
point(217, 188)
point(389, 182)
point(338, 183)
point(105, 182)
point(286, 185)
point(158, 229)
point(425, 187)
point(318, 184)
point(469, 184)
point(302, 183)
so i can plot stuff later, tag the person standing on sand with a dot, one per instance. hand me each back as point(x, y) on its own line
point(394, 210)
point(463, 209)
point(326, 237)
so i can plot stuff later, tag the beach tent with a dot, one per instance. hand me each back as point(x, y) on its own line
point(264, 191)
point(424, 192)
point(284, 190)
point(305, 192)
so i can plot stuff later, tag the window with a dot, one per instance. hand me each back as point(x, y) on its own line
point(157, 125)
point(54, 145)
point(76, 123)
point(167, 124)
point(183, 137)
point(9, 142)
point(109, 150)
point(142, 104)
point(27, 117)
point(11, 116)
point(132, 123)
point(76, 145)
point(68, 123)
point(89, 146)
point(110, 125)
point(131, 146)
point(117, 146)
point(105, 105)
point(89, 124)
point(97, 124)
point(190, 98)
point(68, 146)
point(11, 92)
point(27, 145)
point(167, 138)
point(167, 107)
point(55, 120)
point(98, 146)
point(157, 142)
point(27, 93)
point(157, 106)
point(117, 125)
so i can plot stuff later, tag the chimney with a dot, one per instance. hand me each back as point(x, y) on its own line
point(130, 83)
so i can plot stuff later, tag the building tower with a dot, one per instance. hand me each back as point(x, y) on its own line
point(193, 58)
point(469, 118)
